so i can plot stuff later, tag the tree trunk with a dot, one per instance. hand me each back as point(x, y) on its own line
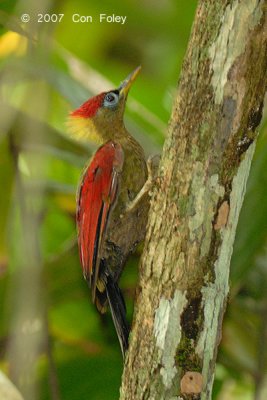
point(196, 202)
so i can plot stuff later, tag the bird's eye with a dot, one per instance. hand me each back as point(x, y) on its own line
point(111, 99)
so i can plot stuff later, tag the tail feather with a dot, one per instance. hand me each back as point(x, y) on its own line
point(118, 312)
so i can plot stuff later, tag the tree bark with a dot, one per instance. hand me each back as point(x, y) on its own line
point(195, 205)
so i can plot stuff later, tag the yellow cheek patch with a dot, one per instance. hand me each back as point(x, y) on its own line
point(83, 129)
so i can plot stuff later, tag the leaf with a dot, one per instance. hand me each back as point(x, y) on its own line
point(7, 181)
point(26, 130)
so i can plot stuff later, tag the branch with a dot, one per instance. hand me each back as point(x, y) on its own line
point(196, 203)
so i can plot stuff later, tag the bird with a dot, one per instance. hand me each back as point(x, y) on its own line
point(112, 199)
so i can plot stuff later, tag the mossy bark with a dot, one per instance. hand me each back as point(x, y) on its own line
point(196, 202)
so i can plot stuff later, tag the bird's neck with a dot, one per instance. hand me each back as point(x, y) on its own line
point(99, 132)
point(83, 129)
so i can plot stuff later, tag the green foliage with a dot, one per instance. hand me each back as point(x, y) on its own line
point(47, 69)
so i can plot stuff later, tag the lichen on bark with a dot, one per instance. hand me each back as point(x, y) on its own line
point(167, 331)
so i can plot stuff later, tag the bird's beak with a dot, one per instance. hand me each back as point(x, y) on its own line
point(127, 83)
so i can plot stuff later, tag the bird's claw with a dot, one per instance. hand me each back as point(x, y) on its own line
point(152, 168)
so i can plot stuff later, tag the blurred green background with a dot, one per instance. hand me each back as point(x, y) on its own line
point(54, 345)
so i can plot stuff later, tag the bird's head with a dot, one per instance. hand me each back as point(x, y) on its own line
point(101, 117)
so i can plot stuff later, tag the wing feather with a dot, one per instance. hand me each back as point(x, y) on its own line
point(96, 197)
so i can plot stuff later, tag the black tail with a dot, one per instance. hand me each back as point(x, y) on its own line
point(118, 312)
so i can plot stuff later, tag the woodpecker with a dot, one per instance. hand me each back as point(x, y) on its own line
point(112, 199)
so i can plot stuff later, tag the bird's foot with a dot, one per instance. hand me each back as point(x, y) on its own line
point(152, 168)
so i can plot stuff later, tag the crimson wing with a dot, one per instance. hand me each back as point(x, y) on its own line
point(97, 194)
